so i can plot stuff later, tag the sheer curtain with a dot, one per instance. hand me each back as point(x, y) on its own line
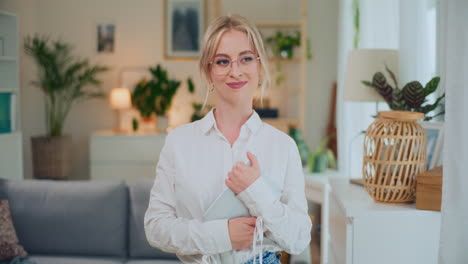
point(454, 71)
point(409, 26)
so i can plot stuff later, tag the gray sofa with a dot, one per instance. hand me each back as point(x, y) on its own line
point(82, 222)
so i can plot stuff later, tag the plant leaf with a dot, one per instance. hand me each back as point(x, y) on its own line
point(191, 86)
point(413, 93)
point(392, 75)
point(431, 86)
point(430, 107)
point(398, 103)
point(379, 82)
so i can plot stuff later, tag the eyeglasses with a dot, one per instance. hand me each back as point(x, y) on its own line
point(221, 65)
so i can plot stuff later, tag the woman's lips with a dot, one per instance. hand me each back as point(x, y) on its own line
point(236, 85)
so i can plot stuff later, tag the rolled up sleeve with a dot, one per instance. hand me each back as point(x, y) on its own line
point(286, 217)
point(170, 233)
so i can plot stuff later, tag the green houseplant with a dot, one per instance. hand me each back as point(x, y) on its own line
point(199, 112)
point(322, 157)
point(65, 80)
point(412, 97)
point(154, 97)
point(282, 45)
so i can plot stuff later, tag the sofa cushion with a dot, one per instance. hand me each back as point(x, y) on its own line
point(39, 259)
point(9, 244)
point(69, 218)
point(138, 245)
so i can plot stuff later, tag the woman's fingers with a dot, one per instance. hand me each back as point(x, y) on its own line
point(253, 160)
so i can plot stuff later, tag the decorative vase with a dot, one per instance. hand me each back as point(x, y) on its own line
point(394, 154)
point(51, 157)
point(148, 125)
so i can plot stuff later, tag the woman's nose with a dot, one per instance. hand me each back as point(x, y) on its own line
point(235, 70)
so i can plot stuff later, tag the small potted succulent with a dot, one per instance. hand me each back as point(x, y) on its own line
point(412, 97)
point(322, 157)
point(153, 98)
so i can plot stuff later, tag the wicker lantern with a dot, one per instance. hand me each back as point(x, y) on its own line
point(394, 154)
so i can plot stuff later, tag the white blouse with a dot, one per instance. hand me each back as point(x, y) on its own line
point(190, 174)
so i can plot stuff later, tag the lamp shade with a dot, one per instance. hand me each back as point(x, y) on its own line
point(362, 65)
point(120, 98)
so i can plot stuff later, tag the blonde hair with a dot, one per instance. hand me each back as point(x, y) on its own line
point(211, 40)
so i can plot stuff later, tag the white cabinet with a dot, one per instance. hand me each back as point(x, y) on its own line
point(317, 190)
point(363, 231)
point(11, 148)
point(124, 157)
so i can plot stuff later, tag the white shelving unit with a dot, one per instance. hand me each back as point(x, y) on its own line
point(11, 149)
point(291, 100)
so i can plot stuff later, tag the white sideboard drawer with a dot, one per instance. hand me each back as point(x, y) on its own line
point(122, 171)
point(126, 147)
point(124, 157)
point(331, 255)
point(340, 231)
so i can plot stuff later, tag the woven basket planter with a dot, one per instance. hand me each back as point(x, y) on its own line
point(394, 154)
point(51, 157)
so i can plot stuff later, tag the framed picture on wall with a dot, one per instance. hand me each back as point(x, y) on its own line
point(435, 141)
point(105, 37)
point(183, 27)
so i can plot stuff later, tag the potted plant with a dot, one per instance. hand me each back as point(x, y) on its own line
point(296, 134)
point(282, 45)
point(322, 157)
point(398, 139)
point(153, 98)
point(65, 80)
point(199, 112)
point(413, 96)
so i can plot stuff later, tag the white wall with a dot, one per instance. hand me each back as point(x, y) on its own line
point(138, 43)
point(323, 34)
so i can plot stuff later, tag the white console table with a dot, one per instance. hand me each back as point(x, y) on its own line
point(363, 231)
point(124, 156)
point(317, 190)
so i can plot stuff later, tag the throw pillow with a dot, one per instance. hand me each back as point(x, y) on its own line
point(9, 244)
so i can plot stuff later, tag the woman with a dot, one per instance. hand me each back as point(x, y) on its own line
point(229, 148)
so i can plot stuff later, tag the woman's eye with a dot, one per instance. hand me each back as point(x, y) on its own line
point(247, 59)
point(222, 62)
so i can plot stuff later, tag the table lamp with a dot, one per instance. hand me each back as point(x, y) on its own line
point(362, 65)
point(120, 100)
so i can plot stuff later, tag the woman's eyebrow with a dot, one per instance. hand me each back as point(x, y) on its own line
point(241, 53)
point(246, 51)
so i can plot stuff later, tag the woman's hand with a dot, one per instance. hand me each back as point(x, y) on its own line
point(241, 231)
point(242, 176)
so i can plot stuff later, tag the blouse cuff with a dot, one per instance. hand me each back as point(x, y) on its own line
point(258, 197)
point(220, 232)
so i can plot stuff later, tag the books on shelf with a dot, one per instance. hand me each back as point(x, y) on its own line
point(7, 112)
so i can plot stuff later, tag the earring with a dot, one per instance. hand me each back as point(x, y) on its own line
point(211, 87)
